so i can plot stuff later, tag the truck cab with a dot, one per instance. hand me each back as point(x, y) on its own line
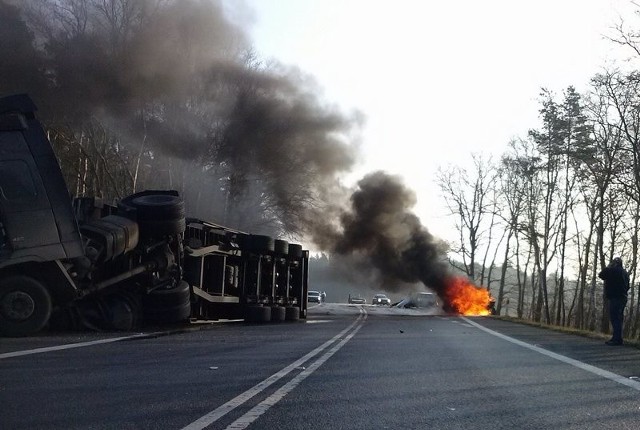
point(35, 206)
point(37, 227)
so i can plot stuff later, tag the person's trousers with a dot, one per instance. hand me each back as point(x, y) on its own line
point(616, 316)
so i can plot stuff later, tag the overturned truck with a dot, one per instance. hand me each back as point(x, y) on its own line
point(83, 263)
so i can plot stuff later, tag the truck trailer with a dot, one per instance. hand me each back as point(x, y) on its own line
point(79, 262)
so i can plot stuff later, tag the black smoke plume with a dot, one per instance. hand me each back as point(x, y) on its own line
point(379, 234)
point(170, 94)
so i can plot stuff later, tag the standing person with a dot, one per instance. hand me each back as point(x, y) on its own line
point(616, 285)
point(323, 296)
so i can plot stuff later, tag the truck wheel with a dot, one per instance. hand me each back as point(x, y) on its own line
point(278, 313)
point(295, 250)
point(292, 313)
point(162, 228)
point(168, 297)
point(168, 305)
point(281, 247)
point(25, 306)
point(64, 319)
point(122, 312)
point(257, 314)
point(174, 314)
point(260, 243)
point(158, 214)
point(158, 207)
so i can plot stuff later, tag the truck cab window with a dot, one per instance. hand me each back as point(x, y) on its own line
point(15, 180)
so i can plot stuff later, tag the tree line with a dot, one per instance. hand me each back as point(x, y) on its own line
point(537, 224)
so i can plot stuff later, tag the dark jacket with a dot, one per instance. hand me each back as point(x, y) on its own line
point(616, 281)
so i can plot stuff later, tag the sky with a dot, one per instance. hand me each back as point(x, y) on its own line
point(438, 80)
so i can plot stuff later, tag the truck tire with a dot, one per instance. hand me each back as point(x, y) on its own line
point(158, 207)
point(281, 247)
point(157, 229)
point(260, 244)
point(278, 313)
point(123, 312)
point(257, 314)
point(25, 306)
point(64, 319)
point(168, 305)
point(158, 214)
point(295, 250)
point(167, 297)
point(174, 314)
point(292, 313)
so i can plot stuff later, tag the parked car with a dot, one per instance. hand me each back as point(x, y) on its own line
point(314, 297)
point(357, 300)
point(381, 299)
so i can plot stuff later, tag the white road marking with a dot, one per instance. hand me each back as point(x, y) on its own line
point(68, 346)
point(579, 364)
point(197, 327)
point(252, 415)
point(262, 407)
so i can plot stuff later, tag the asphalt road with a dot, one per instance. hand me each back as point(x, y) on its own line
point(345, 367)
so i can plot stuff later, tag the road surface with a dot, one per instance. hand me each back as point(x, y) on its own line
point(345, 367)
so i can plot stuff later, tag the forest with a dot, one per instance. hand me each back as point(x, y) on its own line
point(537, 224)
point(161, 94)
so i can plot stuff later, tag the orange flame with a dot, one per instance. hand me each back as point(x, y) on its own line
point(465, 298)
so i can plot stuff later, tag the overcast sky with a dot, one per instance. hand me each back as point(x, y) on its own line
point(438, 80)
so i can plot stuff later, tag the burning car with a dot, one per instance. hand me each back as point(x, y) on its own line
point(419, 300)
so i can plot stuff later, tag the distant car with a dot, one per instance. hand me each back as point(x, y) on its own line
point(314, 297)
point(356, 300)
point(419, 300)
point(381, 299)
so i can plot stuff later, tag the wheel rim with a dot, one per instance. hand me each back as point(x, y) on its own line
point(17, 306)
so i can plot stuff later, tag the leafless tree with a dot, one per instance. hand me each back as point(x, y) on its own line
point(468, 196)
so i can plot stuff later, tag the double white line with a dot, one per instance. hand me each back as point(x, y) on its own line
point(244, 421)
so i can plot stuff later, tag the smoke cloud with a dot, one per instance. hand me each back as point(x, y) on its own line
point(379, 234)
point(169, 94)
point(183, 101)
